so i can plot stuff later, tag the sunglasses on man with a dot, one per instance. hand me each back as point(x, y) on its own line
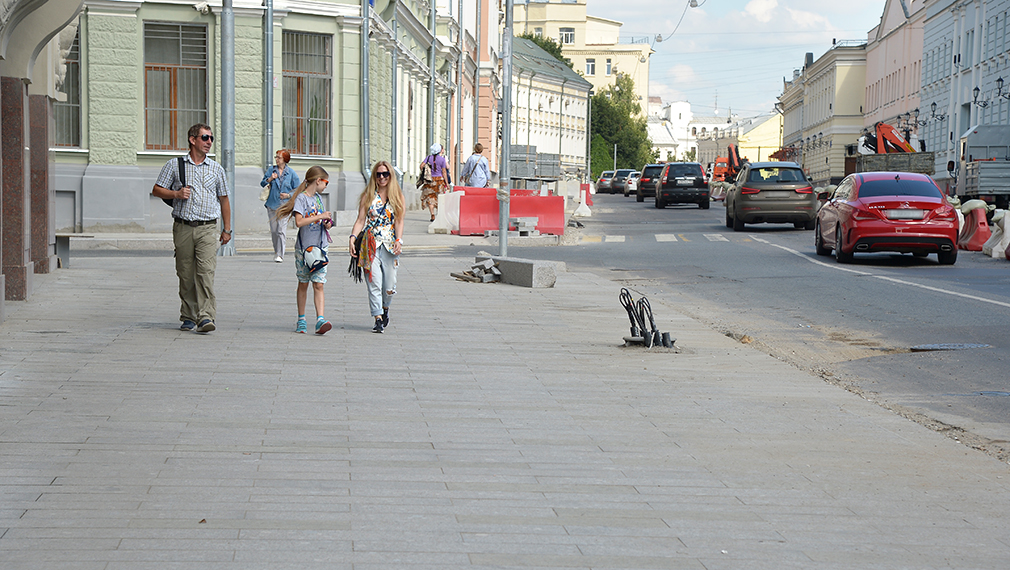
point(206, 138)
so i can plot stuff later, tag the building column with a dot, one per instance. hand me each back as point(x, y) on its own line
point(16, 237)
point(43, 179)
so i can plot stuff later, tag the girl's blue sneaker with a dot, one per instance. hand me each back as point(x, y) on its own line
point(322, 325)
point(301, 327)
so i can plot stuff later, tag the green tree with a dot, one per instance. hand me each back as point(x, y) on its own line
point(617, 119)
point(548, 45)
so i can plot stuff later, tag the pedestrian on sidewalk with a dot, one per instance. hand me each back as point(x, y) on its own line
point(438, 171)
point(382, 212)
point(196, 207)
point(476, 172)
point(282, 181)
point(313, 222)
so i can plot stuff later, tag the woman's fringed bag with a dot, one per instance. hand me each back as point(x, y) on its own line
point(361, 261)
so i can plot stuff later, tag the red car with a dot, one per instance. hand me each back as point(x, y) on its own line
point(887, 211)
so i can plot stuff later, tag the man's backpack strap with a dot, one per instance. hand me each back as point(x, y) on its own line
point(182, 179)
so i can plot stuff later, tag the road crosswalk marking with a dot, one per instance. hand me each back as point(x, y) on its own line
point(613, 238)
point(666, 237)
point(715, 237)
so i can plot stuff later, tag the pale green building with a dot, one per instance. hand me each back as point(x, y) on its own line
point(141, 73)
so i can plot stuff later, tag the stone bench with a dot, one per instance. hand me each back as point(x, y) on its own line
point(63, 247)
point(526, 272)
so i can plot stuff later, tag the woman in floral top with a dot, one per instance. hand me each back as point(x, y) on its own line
point(382, 211)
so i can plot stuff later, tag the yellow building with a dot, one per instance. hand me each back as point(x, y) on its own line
point(823, 110)
point(591, 43)
point(756, 138)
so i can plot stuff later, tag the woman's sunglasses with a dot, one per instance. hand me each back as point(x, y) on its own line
point(382, 174)
point(325, 181)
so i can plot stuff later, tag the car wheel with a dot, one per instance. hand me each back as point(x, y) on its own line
point(841, 256)
point(947, 257)
point(660, 203)
point(704, 205)
point(729, 220)
point(737, 224)
point(819, 241)
point(639, 197)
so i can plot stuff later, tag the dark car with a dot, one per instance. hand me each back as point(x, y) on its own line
point(887, 211)
point(647, 181)
point(772, 193)
point(682, 183)
point(617, 182)
point(603, 184)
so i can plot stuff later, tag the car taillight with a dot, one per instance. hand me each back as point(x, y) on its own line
point(643, 180)
point(807, 190)
point(747, 190)
point(858, 214)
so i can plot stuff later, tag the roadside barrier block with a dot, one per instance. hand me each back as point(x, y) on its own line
point(534, 273)
point(479, 212)
point(975, 232)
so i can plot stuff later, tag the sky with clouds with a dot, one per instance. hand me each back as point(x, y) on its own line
point(735, 52)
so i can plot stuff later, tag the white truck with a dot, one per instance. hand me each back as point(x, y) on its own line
point(983, 167)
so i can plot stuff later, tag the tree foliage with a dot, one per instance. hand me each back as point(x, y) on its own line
point(548, 45)
point(617, 119)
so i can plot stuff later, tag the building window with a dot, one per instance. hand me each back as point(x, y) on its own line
point(590, 67)
point(608, 66)
point(567, 36)
point(307, 60)
point(67, 114)
point(175, 83)
point(538, 32)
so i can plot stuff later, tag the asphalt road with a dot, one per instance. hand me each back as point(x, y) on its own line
point(852, 324)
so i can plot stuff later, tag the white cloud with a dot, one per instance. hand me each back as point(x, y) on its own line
point(761, 10)
point(809, 20)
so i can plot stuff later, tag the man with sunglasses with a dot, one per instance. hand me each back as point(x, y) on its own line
point(196, 208)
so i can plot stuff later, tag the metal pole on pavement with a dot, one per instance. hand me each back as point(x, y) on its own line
point(228, 113)
point(504, 181)
point(366, 26)
point(268, 84)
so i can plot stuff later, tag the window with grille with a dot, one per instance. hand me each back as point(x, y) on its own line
point(175, 83)
point(307, 60)
point(67, 114)
point(567, 35)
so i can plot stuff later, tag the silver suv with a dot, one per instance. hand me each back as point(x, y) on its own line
point(771, 192)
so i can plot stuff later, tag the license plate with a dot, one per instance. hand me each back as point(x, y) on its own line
point(903, 214)
point(685, 182)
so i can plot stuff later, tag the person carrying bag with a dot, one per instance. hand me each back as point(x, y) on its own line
point(476, 172)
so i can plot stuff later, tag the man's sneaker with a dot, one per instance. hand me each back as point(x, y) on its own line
point(378, 325)
point(187, 325)
point(206, 326)
point(385, 318)
point(300, 327)
point(322, 325)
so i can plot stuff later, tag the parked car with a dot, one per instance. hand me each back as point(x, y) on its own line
point(603, 184)
point(773, 193)
point(682, 183)
point(647, 181)
point(887, 211)
point(617, 182)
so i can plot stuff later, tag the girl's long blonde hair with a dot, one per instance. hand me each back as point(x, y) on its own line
point(394, 195)
point(311, 175)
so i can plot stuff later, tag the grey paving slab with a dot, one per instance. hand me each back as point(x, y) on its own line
point(489, 427)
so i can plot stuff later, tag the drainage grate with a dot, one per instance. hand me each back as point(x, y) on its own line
point(947, 346)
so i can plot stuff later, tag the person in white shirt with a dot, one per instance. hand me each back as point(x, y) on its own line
point(476, 173)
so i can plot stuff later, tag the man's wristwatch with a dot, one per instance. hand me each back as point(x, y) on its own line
point(226, 232)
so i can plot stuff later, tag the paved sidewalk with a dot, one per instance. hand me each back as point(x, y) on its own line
point(490, 427)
